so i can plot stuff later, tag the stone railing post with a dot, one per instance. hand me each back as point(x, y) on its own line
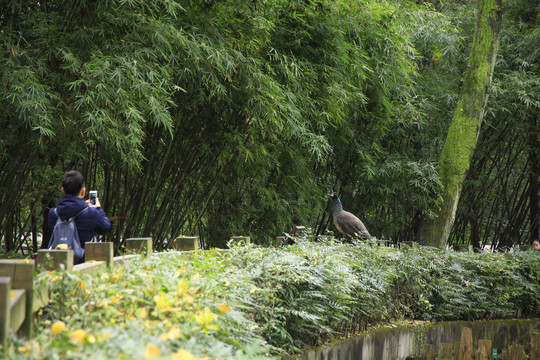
point(99, 251)
point(53, 259)
point(408, 245)
point(21, 273)
point(186, 243)
point(139, 245)
point(5, 310)
point(239, 240)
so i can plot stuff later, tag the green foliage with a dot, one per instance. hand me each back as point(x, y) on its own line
point(498, 204)
point(383, 158)
point(447, 285)
point(222, 118)
point(281, 301)
point(217, 118)
point(11, 255)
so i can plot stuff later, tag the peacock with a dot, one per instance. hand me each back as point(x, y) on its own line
point(346, 223)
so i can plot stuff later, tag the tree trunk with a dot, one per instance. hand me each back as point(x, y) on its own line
point(34, 235)
point(46, 204)
point(461, 139)
point(8, 235)
point(475, 232)
point(534, 175)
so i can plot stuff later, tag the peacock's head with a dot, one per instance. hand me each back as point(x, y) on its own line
point(333, 195)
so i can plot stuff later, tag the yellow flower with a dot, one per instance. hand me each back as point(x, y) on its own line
point(151, 352)
point(103, 337)
point(32, 348)
point(172, 334)
point(182, 287)
point(141, 313)
point(179, 271)
point(82, 285)
point(58, 327)
point(162, 300)
point(78, 336)
point(223, 309)
point(91, 339)
point(188, 300)
point(151, 323)
point(205, 319)
point(36, 348)
point(183, 355)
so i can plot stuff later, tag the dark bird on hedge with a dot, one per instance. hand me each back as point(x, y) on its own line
point(347, 223)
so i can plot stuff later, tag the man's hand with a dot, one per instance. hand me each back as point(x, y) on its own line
point(97, 204)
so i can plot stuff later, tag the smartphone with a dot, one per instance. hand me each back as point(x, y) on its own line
point(92, 195)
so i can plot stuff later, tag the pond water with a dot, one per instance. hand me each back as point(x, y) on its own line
point(405, 342)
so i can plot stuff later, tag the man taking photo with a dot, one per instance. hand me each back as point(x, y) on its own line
point(90, 218)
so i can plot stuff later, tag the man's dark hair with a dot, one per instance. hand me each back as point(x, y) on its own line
point(73, 182)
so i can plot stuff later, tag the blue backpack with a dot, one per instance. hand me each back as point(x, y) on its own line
point(65, 232)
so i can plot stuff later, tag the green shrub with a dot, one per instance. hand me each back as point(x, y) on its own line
point(253, 302)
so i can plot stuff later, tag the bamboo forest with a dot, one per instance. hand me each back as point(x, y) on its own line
point(221, 118)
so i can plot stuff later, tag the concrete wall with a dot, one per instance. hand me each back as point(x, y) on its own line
point(386, 344)
point(398, 343)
